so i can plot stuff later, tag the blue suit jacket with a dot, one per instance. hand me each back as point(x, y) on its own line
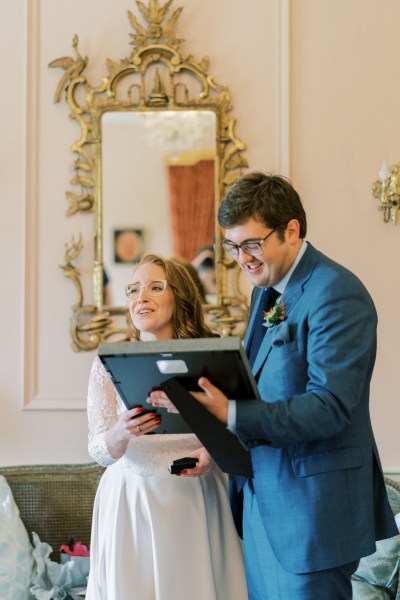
point(317, 473)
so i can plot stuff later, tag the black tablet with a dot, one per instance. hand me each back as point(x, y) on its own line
point(137, 368)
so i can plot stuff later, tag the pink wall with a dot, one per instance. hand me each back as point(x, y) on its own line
point(315, 96)
point(344, 122)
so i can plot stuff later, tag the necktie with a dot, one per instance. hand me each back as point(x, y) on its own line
point(267, 301)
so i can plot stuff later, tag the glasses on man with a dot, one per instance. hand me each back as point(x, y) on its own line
point(154, 288)
point(250, 247)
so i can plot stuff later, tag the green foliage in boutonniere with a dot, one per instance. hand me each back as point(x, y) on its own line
point(275, 315)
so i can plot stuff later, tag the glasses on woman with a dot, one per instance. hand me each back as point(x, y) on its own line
point(154, 288)
point(250, 247)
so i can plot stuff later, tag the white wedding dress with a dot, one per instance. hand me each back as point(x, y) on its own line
point(156, 536)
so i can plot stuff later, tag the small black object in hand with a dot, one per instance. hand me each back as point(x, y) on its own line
point(177, 466)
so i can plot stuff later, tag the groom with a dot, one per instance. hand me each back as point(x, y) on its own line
point(317, 501)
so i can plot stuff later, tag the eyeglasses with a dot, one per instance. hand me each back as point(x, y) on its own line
point(251, 247)
point(156, 287)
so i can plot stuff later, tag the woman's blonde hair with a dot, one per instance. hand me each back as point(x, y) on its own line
point(188, 316)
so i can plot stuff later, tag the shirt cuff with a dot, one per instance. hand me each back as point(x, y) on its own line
point(232, 416)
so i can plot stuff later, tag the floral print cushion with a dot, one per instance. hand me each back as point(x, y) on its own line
point(377, 576)
point(365, 591)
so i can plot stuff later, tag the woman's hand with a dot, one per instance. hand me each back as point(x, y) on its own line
point(159, 398)
point(131, 423)
point(203, 467)
point(135, 423)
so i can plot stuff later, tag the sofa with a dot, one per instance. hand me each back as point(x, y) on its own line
point(56, 500)
point(40, 507)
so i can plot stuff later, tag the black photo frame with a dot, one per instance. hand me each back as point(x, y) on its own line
point(137, 368)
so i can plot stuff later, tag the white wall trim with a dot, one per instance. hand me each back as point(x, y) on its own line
point(283, 87)
point(42, 403)
point(393, 474)
point(31, 200)
point(31, 401)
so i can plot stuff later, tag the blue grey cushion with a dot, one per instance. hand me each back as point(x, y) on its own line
point(380, 570)
point(365, 591)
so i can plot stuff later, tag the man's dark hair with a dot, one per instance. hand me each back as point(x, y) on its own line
point(270, 199)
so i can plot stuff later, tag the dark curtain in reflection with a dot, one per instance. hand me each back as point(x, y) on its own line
point(192, 195)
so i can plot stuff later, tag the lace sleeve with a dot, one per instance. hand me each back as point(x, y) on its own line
point(103, 411)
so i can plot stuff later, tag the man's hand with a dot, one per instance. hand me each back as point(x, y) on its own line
point(212, 399)
point(160, 399)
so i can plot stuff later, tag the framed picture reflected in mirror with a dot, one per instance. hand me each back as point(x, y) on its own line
point(128, 245)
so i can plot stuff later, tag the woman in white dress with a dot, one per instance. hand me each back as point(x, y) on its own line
point(157, 536)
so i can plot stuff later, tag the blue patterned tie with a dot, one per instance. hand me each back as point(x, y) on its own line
point(267, 301)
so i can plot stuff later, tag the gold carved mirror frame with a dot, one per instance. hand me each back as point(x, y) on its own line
point(157, 76)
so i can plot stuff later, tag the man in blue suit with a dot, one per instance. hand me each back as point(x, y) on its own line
point(317, 502)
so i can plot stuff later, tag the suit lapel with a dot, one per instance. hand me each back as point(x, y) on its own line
point(263, 352)
point(255, 301)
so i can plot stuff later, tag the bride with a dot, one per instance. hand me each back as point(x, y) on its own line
point(157, 536)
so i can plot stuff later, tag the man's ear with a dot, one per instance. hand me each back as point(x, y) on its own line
point(292, 231)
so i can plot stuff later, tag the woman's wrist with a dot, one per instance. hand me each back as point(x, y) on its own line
point(116, 443)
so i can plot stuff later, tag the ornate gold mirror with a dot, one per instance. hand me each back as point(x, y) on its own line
point(156, 154)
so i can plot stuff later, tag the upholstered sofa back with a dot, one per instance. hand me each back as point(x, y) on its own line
point(55, 500)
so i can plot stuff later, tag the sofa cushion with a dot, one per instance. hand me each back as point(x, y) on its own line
point(362, 590)
point(16, 558)
point(381, 569)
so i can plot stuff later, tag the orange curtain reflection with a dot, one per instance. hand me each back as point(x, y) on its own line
point(191, 189)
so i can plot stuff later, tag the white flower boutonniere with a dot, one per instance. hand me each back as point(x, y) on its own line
point(275, 315)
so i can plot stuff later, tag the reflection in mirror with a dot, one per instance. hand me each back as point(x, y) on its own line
point(158, 190)
point(204, 262)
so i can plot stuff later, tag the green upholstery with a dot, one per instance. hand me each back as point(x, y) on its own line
point(55, 500)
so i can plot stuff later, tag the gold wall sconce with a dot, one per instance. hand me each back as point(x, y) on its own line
point(387, 190)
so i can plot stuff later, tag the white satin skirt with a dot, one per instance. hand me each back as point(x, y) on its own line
point(163, 537)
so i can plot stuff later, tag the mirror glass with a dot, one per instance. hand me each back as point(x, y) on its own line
point(159, 193)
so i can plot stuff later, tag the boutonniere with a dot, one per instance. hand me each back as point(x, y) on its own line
point(275, 315)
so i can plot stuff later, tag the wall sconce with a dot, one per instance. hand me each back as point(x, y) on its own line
point(387, 190)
